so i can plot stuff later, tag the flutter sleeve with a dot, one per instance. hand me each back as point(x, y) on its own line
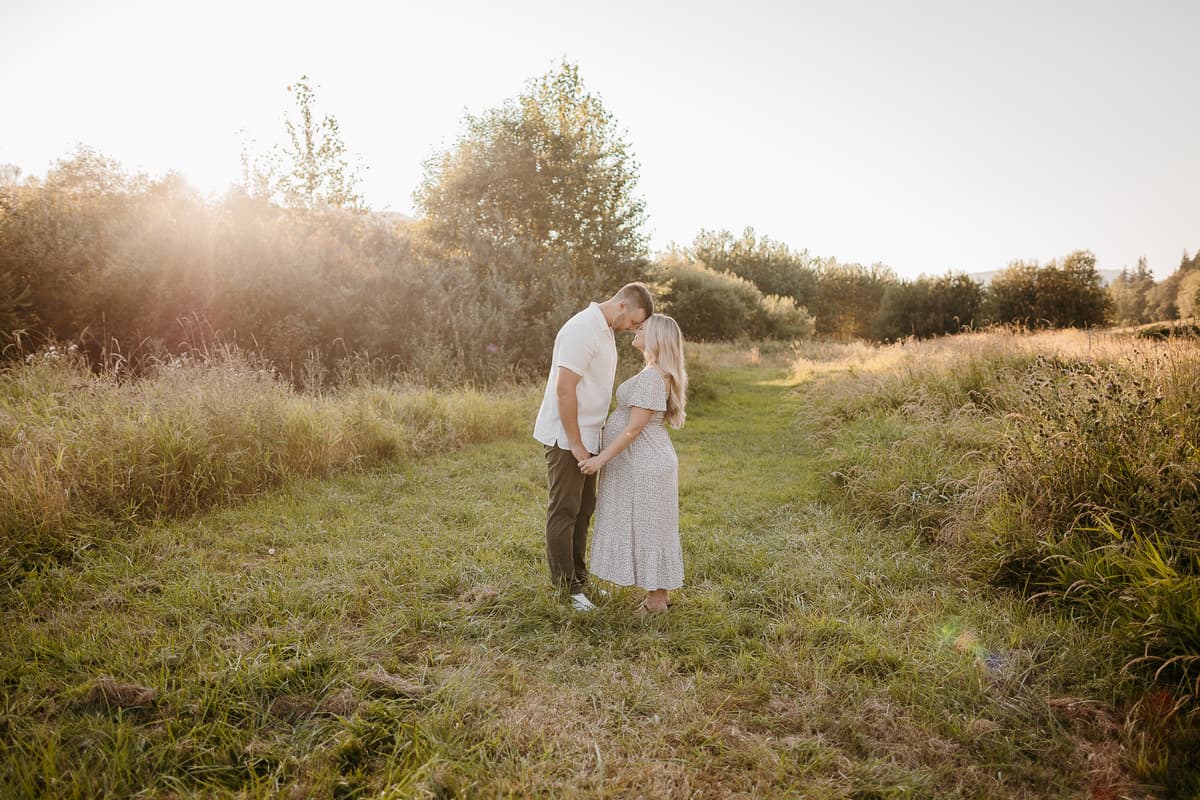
point(649, 391)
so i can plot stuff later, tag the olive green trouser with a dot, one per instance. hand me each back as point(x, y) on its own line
point(572, 501)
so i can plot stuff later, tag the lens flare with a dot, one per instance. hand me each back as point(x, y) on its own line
point(954, 633)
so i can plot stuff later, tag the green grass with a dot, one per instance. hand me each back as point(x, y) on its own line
point(84, 457)
point(392, 633)
point(1062, 465)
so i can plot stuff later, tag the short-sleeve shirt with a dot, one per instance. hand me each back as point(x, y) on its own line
point(586, 346)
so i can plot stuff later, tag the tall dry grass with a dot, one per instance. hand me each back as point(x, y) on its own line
point(84, 454)
point(1064, 464)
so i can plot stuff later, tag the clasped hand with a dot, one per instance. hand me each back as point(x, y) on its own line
point(590, 466)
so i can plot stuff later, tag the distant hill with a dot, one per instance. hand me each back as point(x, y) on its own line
point(1107, 276)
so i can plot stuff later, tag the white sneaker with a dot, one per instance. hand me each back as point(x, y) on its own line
point(580, 602)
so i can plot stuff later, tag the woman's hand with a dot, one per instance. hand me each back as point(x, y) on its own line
point(591, 466)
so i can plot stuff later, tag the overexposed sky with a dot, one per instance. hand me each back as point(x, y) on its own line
point(930, 136)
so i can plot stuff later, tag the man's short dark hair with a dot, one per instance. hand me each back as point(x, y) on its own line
point(637, 295)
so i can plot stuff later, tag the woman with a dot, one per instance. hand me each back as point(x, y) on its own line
point(636, 538)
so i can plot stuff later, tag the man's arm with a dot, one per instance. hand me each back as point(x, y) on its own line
point(568, 411)
point(639, 418)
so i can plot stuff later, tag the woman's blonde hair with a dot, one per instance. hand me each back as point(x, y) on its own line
point(664, 349)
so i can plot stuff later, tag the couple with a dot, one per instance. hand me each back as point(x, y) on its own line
point(636, 541)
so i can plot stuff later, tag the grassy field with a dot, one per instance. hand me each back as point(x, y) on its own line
point(390, 632)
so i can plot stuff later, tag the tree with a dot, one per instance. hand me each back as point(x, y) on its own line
point(1130, 295)
point(929, 307)
point(57, 239)
point(1187, 300)
point(1012, 294)
point(10, 176)
point(712, 305)
point(1071, 294)
point(313, 170)
point(14, 294)
point(847, 298)
point(547, 174)
point(1066, 294)
point(772, 266)
point(1163, 300)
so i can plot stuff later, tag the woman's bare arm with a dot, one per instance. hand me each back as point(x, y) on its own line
point(639, 418)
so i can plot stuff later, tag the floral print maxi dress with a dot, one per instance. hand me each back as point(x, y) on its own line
point(636, 538)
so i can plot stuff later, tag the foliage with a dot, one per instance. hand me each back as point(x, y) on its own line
point(313, 170)
point(144, 268)
point(847, 298)
point(1163, 299)
point(781, 317)
point(844, 297)
point(720, 306)
point(1187, 300)
point(541, 188)
point(708, 305)
point(929, 307)
point(1066, 294)
point(13, 301)
point(1106, 467)
point(1131, 296)
point(771, 266)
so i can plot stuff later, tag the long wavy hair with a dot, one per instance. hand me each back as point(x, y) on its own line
point(664, 349)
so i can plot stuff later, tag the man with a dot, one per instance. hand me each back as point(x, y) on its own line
point(569, 423)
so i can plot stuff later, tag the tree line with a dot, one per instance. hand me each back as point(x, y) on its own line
point(531, 213)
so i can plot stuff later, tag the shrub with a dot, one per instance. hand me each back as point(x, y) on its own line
point(720, 306)
point(779, 317)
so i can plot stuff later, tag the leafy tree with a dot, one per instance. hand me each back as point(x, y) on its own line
point(772, 266)
point(58, 237)
point(781, 317)
point(313, 170)
point(1130, 295)
point(1163, 300)
point(1012, 294)
point(14, 293)
point(14, 299)
point(929, 307)
point(543, 181)
point(1059, 295)
point(708, 305)
point(720, 306)
point(1188, 297)
point(847, 298)
point(1071, 293)
point(10, 176)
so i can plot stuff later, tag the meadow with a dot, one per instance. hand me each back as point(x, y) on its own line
point(923, 570)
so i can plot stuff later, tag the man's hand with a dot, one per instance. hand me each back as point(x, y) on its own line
point(591, 465)
point(580, 452)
